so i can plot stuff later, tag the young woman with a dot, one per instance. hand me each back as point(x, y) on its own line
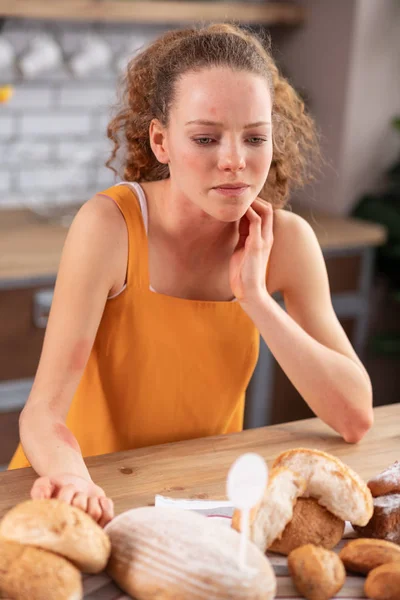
point(166, 280)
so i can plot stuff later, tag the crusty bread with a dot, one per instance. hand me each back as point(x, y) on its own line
point(363, 555)
point(311, 524)
point(28, 573)
point(317, 573)
point(61, 528)
point(385, 522)
point(383, 583)
point(331, 482)
point(269, 519)
point(386, 482)
point(175, 554)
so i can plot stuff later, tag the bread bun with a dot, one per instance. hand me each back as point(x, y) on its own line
point(317, 573)
point(28, 573)
point(270, 517)
point(383, 583)
point(387, 482)
point(331, 482)
point(385, 521)
point(61, 528)
point(363, 555)
point(175, 554)
point(311, 524)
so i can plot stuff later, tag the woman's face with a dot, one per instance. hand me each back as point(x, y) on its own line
point(219, 135)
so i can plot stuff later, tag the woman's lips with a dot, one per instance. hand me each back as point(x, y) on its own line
point(236, 191)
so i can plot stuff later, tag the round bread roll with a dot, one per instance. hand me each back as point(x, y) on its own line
point(61, 528)
point(363, 555)
point(270, 517)
point(175, 554)
point(331, 482)
point(383, 583)
point(387, 482)
point(311, 524)
point(317, 573)
point(34, 574)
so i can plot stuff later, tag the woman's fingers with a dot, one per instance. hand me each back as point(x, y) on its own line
point(94, 509)
point(265, 211)
point(80, 500)
point(66, 493)
point(107, 506)
point(42, 489)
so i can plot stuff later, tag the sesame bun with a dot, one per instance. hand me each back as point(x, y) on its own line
point(61, 528)
point(269, 519)
point(34, 574)
point(331, 482)
point(175, 554)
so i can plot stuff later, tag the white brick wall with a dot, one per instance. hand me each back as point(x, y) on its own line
point(53, 142)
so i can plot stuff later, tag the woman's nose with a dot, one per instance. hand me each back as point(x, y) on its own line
point(231, 158)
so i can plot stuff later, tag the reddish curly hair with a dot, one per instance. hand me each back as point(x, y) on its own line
point(148, 92)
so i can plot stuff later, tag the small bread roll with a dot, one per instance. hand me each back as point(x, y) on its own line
point(176, 554)
point(61, 528)
point(317, 573)
point(387, 482)
point(363, 555)
point(385, 521)
point(383, 583)
point(30, 573)
point(311, 524)
point(270, 517)
point(336, 486)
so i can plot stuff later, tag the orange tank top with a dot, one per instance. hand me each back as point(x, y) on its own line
point(162, 368)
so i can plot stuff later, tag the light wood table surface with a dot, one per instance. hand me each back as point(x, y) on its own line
point(198, 468)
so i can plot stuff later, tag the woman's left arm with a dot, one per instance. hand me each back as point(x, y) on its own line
point(307, 341)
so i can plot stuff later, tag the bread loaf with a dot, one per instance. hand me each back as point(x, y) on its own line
point(269, 519)
point(363, 555)
point(387, 482)
point(311, 524)
point(385, 521)
point(331, 482)
point(317, 573)
point(61, 528)
point(174, 554)
point(28, 573)
point(383, 583)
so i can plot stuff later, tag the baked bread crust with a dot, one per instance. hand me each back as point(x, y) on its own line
point(269, 519)
point(34, 574)
point(383, 583)
point(176, 554)
point(317, 573)
point(386, 482)
point(385, 521)
point(363, 555)
point(311, 524)
point(61, 528)
point(331, 482)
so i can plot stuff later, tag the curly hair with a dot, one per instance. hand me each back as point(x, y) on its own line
point(148, 92)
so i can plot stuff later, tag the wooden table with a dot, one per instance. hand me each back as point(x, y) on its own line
point(198, 468)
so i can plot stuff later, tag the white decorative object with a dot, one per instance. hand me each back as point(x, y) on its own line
point(94, 54)
point(246, 483)
point(43, 54)
point(7, 53)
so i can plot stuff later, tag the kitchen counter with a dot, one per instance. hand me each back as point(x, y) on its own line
point(198, 468)
point(30, 248)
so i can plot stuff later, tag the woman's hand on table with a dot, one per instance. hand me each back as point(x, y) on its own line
point(77, 491)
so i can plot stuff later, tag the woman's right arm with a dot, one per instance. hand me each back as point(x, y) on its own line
point(91, 262)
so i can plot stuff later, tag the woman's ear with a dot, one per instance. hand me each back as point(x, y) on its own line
point(158, 141)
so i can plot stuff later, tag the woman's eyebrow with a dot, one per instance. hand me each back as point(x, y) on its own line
point(206, 122)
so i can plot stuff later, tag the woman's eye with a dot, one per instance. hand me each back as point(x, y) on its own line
point(257, 140)
point(203, 141)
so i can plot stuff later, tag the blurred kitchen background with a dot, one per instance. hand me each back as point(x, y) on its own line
point(59, 65)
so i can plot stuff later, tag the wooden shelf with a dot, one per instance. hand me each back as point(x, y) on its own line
point(160, 12)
